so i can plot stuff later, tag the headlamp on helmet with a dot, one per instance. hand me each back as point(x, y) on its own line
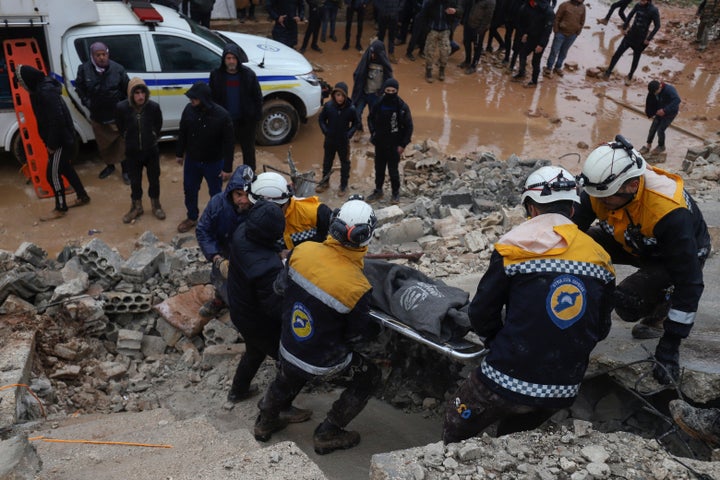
point(550, 184)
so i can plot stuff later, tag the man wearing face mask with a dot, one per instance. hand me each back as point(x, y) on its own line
point(101, 83)
point(222, 215)
point(391, 128)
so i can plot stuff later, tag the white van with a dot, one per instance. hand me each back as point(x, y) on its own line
point(169, 55)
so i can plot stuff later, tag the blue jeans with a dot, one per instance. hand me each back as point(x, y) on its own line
point(193, 175)
point(560, 46)
point(369, 99)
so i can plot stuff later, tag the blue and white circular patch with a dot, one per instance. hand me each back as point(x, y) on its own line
point(566, 301)
point(301, 322)
point(267, 48)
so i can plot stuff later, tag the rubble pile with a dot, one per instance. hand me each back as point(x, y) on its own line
point(570, 451)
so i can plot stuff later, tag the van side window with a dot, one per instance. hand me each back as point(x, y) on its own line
point(124, 49)
point(178, 54)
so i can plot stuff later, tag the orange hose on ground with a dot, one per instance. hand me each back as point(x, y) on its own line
point(95, 442)
point(42, 409)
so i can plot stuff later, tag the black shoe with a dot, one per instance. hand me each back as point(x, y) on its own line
point(328, 438)
point(358, 47)
point(238, 396)
point(376, 195)
point(126, 178)
point(265, 426)
point(107, 171)
point(316, 48)
point(410, 57)
point(333, 38)
point(302, 50)
point(346, 46)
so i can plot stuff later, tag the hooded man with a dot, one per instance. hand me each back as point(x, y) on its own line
point(662, 104)
point(338, 122)
point(222, 215)
point(371, 72)
point(139, 121)
point(101, 83)
point(205, 147)
point(391, 128)
point(235, 87)
point(535, 23)
point(55, 126)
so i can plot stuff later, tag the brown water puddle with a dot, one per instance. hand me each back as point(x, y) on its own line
point(483, 112)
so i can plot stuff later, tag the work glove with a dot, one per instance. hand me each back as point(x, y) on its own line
point(222, 265)
point(667, 354)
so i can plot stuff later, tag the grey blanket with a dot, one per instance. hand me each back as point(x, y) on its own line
point(427, 305)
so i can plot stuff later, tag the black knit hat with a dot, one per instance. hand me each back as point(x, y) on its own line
point(29, 77)
point(391, 82)
point(653, 86)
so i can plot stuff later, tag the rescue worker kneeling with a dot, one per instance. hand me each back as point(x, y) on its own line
point(326, 310)
point(555, 284)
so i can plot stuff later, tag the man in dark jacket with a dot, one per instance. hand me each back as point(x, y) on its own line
point(222, 215)
point(535, 21)
point(315, 9)
point(55, 126)
point(286, 14)
point(637, 37)
point(101, 84)
point(338, 122)
point(371, 72)
point(235, 87)
point(662, 105)
point(139, 121)
point(391, 128)
point(205, 147)
point(647, 220)
point(477, 15)
point(325, 314)
point(553, 285)
point(200, 10)
point(255, 308)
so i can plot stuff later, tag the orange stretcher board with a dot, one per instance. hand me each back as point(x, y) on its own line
point(25, 51)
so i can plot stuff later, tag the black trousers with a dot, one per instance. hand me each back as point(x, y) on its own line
point(389, 25)
point(59, 166)
point(134, 164)
point(343, 153)
point(245, 136)
point(474, 407)
point(349, 12)
point(659, 125)
point(387, 157)
point(637, 49)
point(313, 28)
point(360, 378)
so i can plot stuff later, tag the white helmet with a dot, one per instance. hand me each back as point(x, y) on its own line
point(270, 186)
point(609, 166)
point(353, 224)
point(550, 184)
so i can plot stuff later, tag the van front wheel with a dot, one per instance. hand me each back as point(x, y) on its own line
point(279, 123)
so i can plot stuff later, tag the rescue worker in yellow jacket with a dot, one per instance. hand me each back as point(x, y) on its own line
point(325, 313)
point(305, 218)
point(554, 284)
point(648, 220)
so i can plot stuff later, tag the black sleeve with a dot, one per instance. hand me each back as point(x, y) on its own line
point(606, 308)
point(583, 213)
point(485, 310)
point(676, 239)
point(157, 119)
point(324, 214)
point(120, 118)
point(407, 126)
point(228, 142)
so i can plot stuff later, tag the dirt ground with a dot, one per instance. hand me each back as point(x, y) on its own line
point(484, 112)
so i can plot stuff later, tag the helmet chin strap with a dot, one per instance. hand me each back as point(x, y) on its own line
point(627, 196)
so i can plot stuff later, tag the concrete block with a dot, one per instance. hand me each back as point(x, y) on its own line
point(217, 332)
point(475, 241)
point(110, 370)
point(169, 334)
point(31, 253)
point(152, 346)
point(408, 230)
point(68, 372)
point(391, 214)
point(181, 311)
point(485, 205)
point(214, 355)
point(121, 302)
point(16, 356)
point(456, 198)
point(142, 264)
point(129, 339)
point(448, 227)
point(14, 305)
point(100, 260)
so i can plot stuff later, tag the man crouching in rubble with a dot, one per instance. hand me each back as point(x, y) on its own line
point(648, 220)
point(325, 312)
point(555, 284)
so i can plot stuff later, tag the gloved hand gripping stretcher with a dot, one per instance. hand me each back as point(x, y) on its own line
point(425, 310)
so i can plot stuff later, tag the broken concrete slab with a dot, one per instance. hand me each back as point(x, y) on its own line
point(18, 459)
point(16, 357)
point(181, 311)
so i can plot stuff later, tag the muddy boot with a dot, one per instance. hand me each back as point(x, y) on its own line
point(266, 425)
point(135, 211)
point(428, 74)
point(648, 327)
point(667, 356)
point(157, 209)
point(700, 423)
point(295, 415)
point(328, 438)
point(441, 74)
